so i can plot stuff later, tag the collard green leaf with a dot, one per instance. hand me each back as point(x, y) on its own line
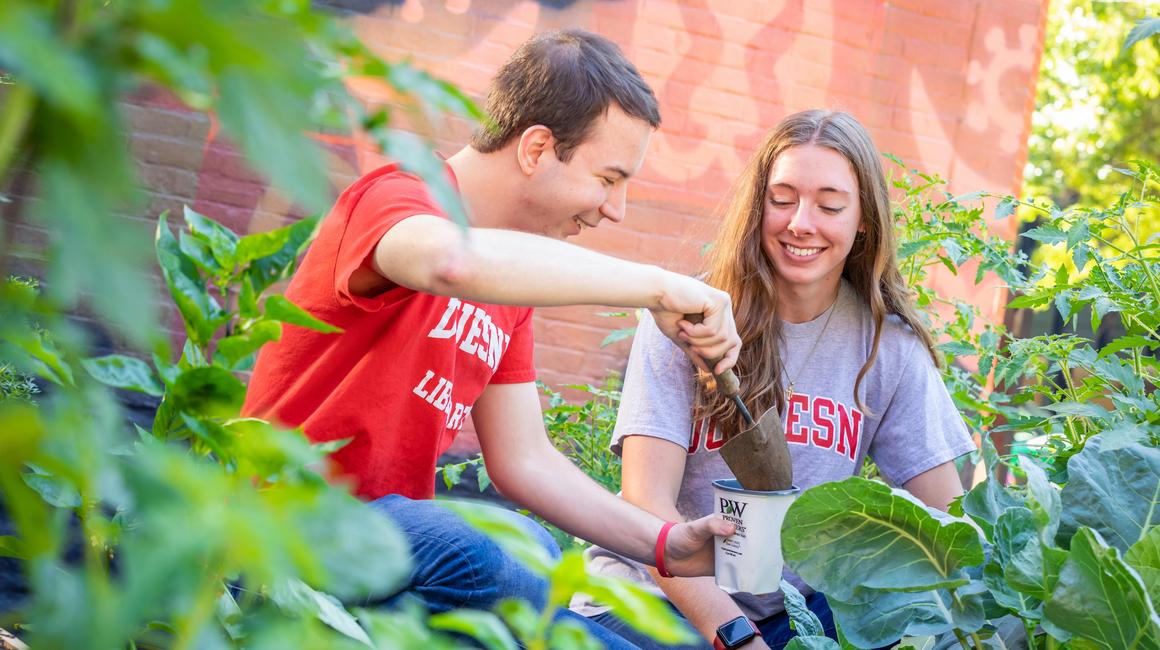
point(1101, 599)
point(484, 627)
point(1116, 493)
point(209, 392)
point(1144, 557)
point(1007, 596)
point(875, 618)
point(838, 536)
point(805, 622)
point(989, 499)
point(1030, 566)
point(280, 309)
point(120, 371)
point(1043, 499)
point(812, 643)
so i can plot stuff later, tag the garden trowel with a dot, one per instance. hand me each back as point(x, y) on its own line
point(758, 455)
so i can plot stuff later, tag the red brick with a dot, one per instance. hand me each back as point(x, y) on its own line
point(913, 24)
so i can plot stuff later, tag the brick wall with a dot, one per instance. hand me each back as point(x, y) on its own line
point(947, 85)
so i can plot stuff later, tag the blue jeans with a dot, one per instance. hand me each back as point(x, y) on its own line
point(775, 630)
point(458, 566)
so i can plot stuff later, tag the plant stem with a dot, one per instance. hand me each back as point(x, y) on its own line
point(963, 639)
point(14, 121)
point(188, 626)
point(1029, 627)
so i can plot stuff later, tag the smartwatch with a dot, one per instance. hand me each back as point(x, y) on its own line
point(735, 634)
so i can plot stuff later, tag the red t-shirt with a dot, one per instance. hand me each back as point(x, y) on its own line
point(401, 378)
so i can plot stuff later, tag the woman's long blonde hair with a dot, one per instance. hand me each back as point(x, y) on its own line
point(737, 262)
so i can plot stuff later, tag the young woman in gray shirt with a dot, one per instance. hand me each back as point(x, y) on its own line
point(830, 336)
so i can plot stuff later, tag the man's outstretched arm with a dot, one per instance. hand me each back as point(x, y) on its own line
point(526, 468)
point(507, 267)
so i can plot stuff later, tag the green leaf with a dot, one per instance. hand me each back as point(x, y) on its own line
point(55, 491)
point(10, 547)
point(812, 643)
point(482, 478)
point(271, 268)
point(805, 622)
point(1126, 342)
point(618, 335)
point(452, 473)
point(120, 371)
point(484, 627)
point(223, 242)
point(519, 615)
point(1064, 304)
point(201, 314)
point(859, 533)
point(874, 618)
point(1099, 598)
point(1007, 596)
point(1079, 409)
point(1145, 28)
point(234, 348)
point(416, 156)
point(1144, 557)
point(266, 119)
point(499, 525)
point(1030, 566)
point(643, 611)
point(209, 392)
point(1043, 499)
point(957, 348)
point(265, 244)
point(279, 308)
point(31, 51)
point(184, 72)
point(1005, 208)
point(297, 598)
point(1116, 493)
point(1046, 235)
point(361, 551)
point(571, 635)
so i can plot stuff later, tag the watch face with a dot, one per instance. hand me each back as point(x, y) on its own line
point(735, 632)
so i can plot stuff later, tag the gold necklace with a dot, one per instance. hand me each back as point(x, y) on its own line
point(806, 360)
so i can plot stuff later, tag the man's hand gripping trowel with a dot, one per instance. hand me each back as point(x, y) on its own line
point(758, 456)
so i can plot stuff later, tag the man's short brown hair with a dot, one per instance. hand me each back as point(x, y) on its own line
point(563, 80)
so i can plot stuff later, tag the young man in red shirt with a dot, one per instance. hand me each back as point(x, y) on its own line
point(437, 322)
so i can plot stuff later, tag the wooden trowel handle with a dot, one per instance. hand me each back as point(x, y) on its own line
point(727, 383)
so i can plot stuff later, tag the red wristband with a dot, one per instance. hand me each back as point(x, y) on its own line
point(660, 549)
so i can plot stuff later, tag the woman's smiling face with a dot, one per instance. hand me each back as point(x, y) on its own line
point(812, 215)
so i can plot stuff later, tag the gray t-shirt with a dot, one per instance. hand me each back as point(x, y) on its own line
point(912, 426)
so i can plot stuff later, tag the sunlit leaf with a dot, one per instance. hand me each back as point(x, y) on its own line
point(281, 309)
